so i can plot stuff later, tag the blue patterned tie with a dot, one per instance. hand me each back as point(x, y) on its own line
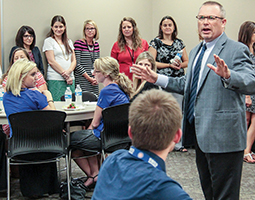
point(193, 90)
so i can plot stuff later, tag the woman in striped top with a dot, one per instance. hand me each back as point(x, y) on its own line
point(86, 52)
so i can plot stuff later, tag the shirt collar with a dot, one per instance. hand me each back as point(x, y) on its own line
point(212, 43)
point(159, 160)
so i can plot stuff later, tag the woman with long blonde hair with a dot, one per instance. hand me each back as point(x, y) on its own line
point(145, 59)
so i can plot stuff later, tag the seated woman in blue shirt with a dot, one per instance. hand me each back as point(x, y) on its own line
point(117, 90)
point(21, 95)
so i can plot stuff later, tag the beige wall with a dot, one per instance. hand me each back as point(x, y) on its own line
point(0, 42)
point(184, 12)
point(108, 13)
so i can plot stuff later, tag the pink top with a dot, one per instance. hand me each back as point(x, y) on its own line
point(125, 57)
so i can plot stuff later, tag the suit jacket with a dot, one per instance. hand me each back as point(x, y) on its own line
point(37, 56)
point(220, 123)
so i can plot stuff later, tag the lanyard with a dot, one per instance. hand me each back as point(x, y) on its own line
point(131, 55)
point(143, 156)
point(92, 56)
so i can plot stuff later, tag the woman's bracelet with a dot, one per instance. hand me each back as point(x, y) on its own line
point(51, 101)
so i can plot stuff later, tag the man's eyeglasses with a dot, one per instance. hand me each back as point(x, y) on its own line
point(209, 18)
point(89, 29)
point(28, 36)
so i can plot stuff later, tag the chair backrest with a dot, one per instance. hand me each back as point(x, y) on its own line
point(39, 131)
point(89, 96)
point(86, 96)
point(115, 133)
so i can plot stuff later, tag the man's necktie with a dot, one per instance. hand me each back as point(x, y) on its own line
point(193, 90)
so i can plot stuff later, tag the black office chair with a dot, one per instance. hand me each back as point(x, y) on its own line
point(3, 175)
point(86, 96)
point(37, 133)
point(115, 133)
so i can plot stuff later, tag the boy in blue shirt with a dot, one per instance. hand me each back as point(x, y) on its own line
point(154, 127)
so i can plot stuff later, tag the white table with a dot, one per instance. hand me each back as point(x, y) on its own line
point(71, 116)
point(75, 115)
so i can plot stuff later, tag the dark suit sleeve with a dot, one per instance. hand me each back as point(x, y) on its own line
point(38, 59)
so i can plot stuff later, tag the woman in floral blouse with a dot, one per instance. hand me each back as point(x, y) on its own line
point(164, 48)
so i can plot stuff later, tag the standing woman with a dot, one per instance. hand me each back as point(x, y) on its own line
point(35, 180)
point(128, 46)
point(164, 48)
point(86, 52)
point(59, 52)
point(26, 39)
point(247, 36)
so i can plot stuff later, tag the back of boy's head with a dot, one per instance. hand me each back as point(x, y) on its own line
point(154, 117)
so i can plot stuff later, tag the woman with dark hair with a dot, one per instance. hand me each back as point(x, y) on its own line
point(128, 46)
point(247, 36)
point(164, 48)
point(86, 52)
point(59, 52)
point(26, 38)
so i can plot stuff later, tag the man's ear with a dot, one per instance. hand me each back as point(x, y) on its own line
point(129, 132)
point(177, 136)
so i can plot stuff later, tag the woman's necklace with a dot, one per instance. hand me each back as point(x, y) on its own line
point(91, 52)
point(90, 47)
point(64, 55)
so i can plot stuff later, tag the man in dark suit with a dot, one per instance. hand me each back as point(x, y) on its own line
point(219, 74)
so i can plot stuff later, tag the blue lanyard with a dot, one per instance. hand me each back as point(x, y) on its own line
point(143, 156)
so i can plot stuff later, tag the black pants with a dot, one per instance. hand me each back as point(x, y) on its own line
point(3, 173)
point(219, 173)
